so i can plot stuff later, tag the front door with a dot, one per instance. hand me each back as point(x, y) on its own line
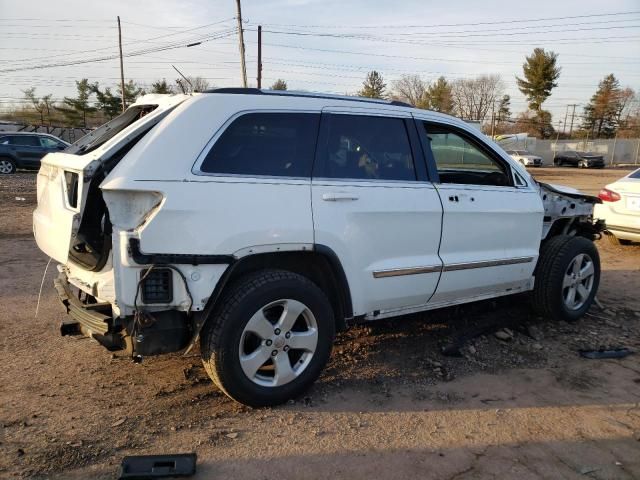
point(373, 206)
point(491, 228)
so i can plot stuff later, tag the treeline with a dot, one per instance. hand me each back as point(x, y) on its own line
point(94, 105)
point(612, 110)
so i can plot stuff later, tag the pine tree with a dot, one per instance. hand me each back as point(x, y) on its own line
point(439, 96)
point(373, 86)
point(504, 110)
point(540, 75)
point(279, 84)
point(111, 104)
point(161, 86)
point(602, 114)
point(75, 110)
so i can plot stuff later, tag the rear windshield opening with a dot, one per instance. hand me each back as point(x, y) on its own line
point(110, 129)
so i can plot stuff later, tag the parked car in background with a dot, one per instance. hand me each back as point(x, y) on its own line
point(620, 209)
point(525, 158)
point(578, 159)
point(24, 150)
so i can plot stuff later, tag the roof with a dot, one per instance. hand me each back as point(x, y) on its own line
point(28, 133)
point(293, 93)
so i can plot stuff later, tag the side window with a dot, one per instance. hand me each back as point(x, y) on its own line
point(49, 142)
point(368, 148)
point(276, 144)
point(4, 140)
point(25, 140)
point(460, 161)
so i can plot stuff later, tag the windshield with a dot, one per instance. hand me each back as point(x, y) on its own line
point(635, 174)
point(110, 129)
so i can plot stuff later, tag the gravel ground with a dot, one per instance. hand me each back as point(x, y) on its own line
point(518, 401)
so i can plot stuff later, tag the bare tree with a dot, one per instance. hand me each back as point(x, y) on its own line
point(474, 97)
point(411, 89)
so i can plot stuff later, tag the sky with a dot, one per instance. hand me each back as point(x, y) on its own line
point(318, 45)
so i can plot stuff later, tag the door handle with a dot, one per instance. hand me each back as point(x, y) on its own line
point(338, 197)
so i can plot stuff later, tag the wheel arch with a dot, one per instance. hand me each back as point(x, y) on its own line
point(321, 265)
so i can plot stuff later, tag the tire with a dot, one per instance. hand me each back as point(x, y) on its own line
point(554, 278)
point(583, 164)
point(7, 166)
point(231, 346)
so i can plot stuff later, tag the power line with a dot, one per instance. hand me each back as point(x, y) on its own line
point(499, 22)
point(147, 40)
point(223, 34)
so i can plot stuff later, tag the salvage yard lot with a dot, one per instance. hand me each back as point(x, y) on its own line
point(389, 405)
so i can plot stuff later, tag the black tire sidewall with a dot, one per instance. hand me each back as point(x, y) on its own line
point(230, 373)
point(574, 247)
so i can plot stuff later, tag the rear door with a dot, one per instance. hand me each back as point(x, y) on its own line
point(375, 208)
point(491, 228)
point(28, 149)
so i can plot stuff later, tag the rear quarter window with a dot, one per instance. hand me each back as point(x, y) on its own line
point(273, 144)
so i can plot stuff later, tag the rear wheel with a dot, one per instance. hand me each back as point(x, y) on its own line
point(7, 166)
point(583, 164)
point(567, 278)
point(270, 338)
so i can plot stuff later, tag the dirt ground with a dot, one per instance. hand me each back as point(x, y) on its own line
point(389, 405)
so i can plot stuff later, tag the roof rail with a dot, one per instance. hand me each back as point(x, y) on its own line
point(285, 93)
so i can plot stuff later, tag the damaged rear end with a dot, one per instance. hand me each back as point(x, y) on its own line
point(75, 221)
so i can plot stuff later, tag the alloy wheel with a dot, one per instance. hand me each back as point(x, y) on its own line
point(278, 343)
point(6, 167)
point(578, 281)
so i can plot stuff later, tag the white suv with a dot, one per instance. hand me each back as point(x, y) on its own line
point(260, 223)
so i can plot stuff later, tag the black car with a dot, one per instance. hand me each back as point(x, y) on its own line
point(578, 159)
point(24, 150)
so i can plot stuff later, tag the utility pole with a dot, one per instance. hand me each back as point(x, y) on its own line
point(493, 117)
point(613, 152)
point(573, 112)
point(259, 56)
point(124, 103)
point(241, 39)
point(564, 125)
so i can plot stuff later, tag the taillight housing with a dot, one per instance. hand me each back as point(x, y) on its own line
point(607, 195)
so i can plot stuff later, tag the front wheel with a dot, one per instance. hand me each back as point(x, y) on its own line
point(566, 277)
point(270, 338)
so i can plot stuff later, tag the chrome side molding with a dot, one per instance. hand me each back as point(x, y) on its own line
point(452, 267)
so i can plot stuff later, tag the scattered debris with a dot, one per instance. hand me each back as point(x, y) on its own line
point(588, 470)
point(117, 423)
point(21, 199)
point(505, 335)
point(600, 354)
point(535, 333)
point(232, 435)
point(140, 467)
